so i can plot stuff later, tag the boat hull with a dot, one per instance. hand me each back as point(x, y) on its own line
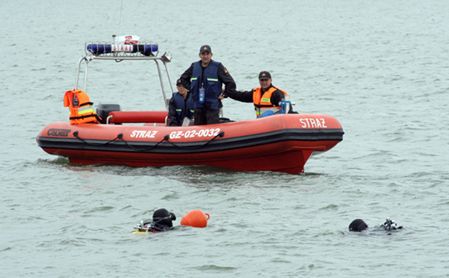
point(281, 143)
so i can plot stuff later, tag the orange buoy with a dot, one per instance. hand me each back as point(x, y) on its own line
point(195, 218)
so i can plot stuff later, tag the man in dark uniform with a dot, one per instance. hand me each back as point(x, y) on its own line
point(205, 79)
point(266, 98)
point(180, 108)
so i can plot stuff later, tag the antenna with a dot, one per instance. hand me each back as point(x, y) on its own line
point(120, 20)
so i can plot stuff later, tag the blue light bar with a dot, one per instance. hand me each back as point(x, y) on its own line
point(149, 49)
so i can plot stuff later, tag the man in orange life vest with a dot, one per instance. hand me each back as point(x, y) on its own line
point(266, 98)
point(81, 109)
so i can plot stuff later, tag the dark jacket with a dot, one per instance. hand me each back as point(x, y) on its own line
point(212, 92)
point(178, 109)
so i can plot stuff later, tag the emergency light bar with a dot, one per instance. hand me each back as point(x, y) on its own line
point(146, 49)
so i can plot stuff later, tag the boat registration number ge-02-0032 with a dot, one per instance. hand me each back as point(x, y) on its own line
point(178, 134)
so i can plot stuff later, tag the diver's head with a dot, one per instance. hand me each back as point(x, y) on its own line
point(162, 219)
point(357, 225)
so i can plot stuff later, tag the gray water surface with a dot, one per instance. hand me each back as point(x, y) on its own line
point(380, 67)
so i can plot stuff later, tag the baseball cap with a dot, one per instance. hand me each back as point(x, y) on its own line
point(179, 82)
point(264, 74)
point(205, 48)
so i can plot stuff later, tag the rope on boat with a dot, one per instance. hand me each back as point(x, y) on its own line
point(221, 134)
point(146, 148)
point(75, 133)
point(119, 137)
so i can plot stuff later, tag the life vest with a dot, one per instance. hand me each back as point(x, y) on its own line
point(81, 109)
point(208, 79)
point(183, 107)
point(262, 102)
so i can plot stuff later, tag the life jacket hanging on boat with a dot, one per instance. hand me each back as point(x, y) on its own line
point(80, 106)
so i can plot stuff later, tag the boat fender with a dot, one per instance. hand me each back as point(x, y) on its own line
point(196, 219)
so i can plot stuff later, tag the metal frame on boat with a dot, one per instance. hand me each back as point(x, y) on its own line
point(119, 56)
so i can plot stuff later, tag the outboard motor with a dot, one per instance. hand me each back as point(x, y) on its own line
point(103, 111)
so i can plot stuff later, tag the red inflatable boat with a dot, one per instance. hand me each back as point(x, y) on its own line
point(281, 143)
point(276, 143)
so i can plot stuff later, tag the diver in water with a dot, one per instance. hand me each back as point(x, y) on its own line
point(162, 221)
point(358, 225)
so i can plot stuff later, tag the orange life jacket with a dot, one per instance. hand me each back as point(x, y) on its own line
point(262, 102)
point(81, 109)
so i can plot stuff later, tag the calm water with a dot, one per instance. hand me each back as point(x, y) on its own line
point(380, 67)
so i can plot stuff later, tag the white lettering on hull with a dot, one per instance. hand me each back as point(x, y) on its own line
point(313, 123)
point(143, 134)
point(194, 133)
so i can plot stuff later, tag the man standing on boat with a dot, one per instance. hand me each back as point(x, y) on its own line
point(267, 99)
point(205, 79)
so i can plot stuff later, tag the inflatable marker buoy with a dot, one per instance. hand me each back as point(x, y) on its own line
point(196, 219)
